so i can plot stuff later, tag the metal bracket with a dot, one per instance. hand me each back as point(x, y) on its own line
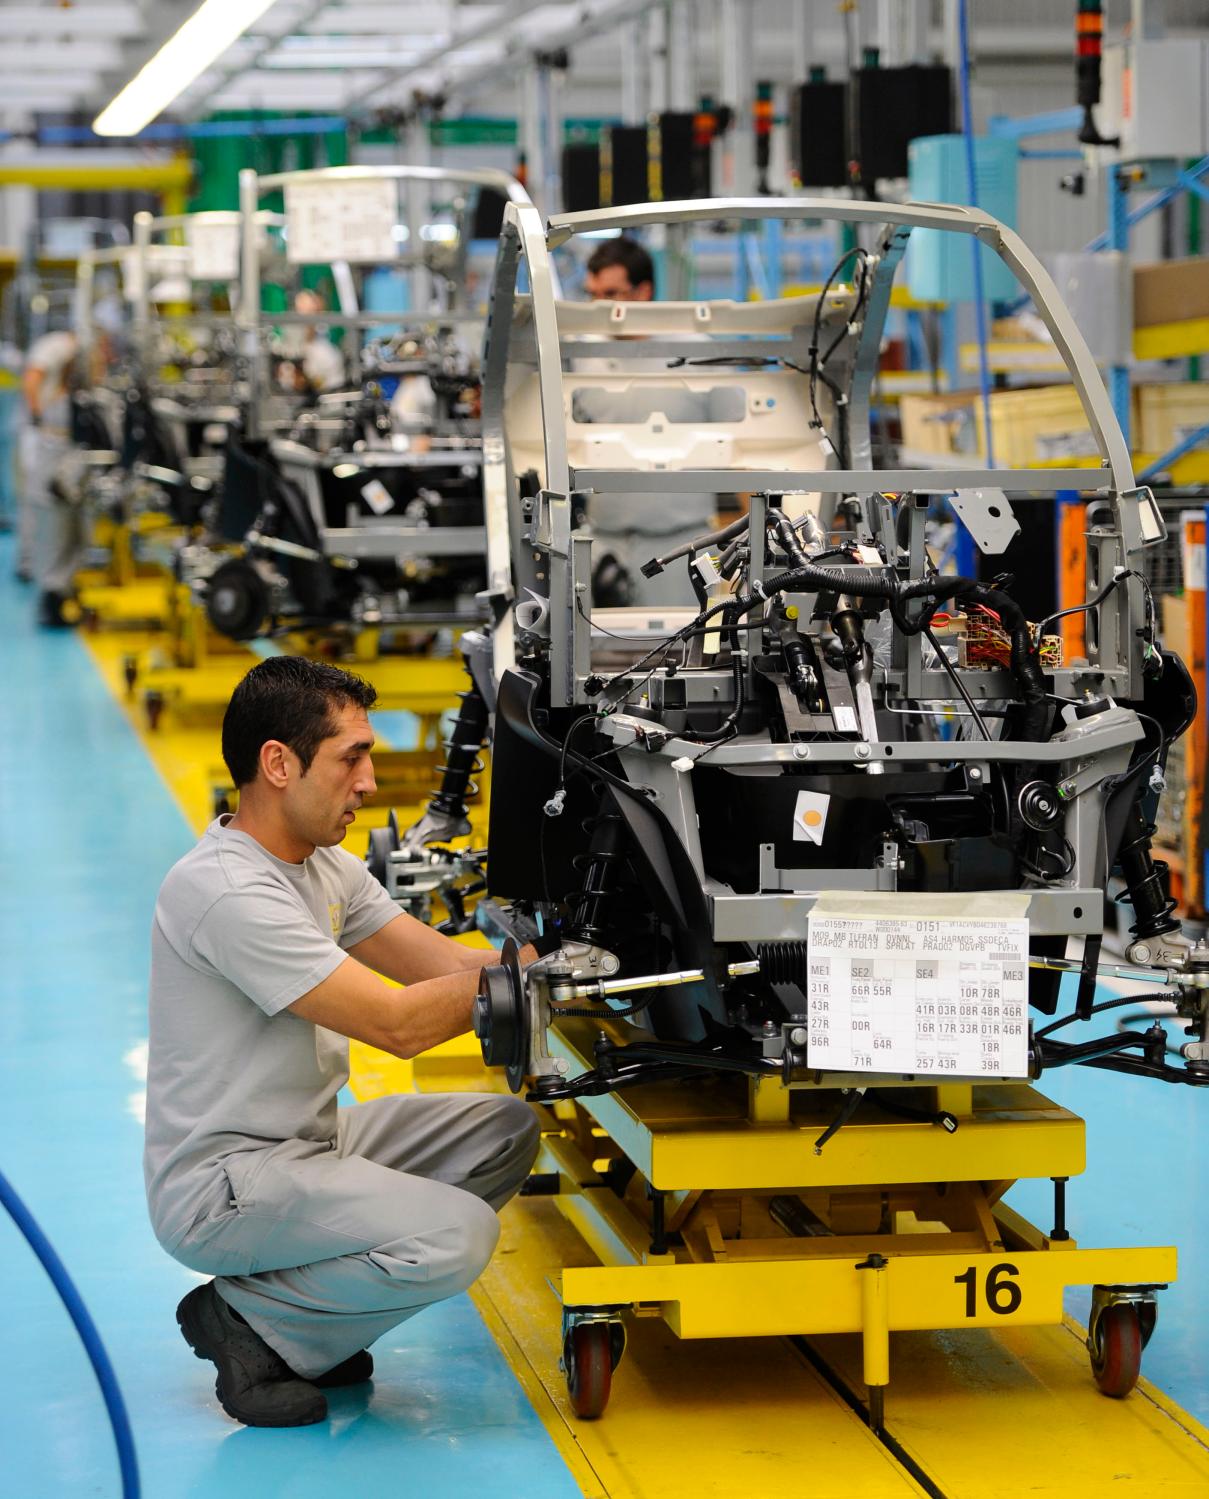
point(884, 876)
point(988, 516)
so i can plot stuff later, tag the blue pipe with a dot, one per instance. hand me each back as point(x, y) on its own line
point(1185, 445)
point(77, 135)
point(1118, 240)
point(1021, 127)
point(980, 306)
point(1187, 182)
point(84, 1325)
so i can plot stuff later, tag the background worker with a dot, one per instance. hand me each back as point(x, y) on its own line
point(314, 363)
point(323, 1227)
point(620, 270)
point(51, 530)
point(627, 529)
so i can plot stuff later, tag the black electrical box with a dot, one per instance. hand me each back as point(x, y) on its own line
point(818, 133)
point(581, 176)
point(675, 172)
point(888, 108)
point(623, 166)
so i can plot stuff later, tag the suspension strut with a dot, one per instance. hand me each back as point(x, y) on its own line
point(462, 759)
point(1145, 880)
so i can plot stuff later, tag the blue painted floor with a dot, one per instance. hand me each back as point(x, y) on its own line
point(87, 831)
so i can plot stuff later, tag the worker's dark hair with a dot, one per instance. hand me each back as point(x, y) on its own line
point(291, 699)
point(639, 266)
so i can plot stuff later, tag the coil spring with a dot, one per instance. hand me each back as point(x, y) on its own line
point(1146, 884)
point(463, 761)
point(587, 903)
point(783, 962)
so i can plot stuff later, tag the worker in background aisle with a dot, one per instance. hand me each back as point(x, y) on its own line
point(627, 529)
point(323, 1227)
point(52, 528)
point(620, 270)
point(10, 408)
point(315, 363)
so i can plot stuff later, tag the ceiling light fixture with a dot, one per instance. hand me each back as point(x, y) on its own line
point(203, 38)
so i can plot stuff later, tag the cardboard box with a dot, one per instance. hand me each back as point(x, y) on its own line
point(1030, 428)
point(1042, 425)
point(941, 423)
point(1173, 611)
point(1168, 412)
point(1170, 291)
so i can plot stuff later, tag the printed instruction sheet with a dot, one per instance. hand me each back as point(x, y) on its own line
point(934, 985)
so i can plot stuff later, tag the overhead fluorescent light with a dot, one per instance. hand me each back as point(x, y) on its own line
point(203, 38)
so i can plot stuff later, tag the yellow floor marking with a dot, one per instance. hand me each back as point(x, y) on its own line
point(1000, 1415)
point(184, 754)
point(712, 1419)
point(749, 1416)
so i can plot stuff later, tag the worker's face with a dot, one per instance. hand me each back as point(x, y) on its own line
point(320, 805)
point(612, 284)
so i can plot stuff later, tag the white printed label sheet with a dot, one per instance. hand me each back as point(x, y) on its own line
point(933, 985)
point(342, 219)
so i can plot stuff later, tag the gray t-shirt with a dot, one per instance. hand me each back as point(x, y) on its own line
point(238, 935)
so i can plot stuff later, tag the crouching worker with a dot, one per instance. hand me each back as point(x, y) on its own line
point(323, 1227)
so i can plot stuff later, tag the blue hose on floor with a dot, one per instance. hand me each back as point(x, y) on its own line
point(78, 1312)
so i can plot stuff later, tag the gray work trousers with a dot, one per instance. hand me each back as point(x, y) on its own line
point(57, 529)
point(29, 450)
point(324, 1249)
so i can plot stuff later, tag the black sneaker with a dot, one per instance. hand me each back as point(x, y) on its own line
point(254, 1384)
point(355, 1369)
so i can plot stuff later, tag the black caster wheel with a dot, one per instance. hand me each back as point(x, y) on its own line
point(588, 1364)
point(153, 703)
point(1115, 1345)
point(130, 672)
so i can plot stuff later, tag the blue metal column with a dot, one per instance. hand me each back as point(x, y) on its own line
point(980, 306)
point(965, 553)
point(1118, 239)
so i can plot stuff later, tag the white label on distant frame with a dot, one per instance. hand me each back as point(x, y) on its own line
point(932, 994)
point(213, 250)
point(350, 220)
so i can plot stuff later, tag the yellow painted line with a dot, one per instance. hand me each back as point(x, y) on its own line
point(183, 755)
point(714, 1419)
point(1000, 1415)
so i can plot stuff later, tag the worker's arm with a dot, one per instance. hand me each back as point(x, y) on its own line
point(409, 952)
point(356, 1003)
